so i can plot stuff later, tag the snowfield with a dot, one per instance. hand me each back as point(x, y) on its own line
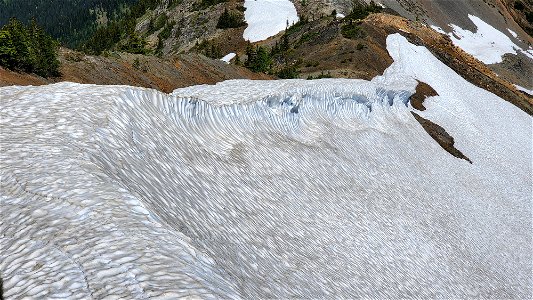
point(487, 44)
point(266, 189)
point(266, 18)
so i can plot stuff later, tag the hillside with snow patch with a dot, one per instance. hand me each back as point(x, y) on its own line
point(266, 189)
point(266, 18)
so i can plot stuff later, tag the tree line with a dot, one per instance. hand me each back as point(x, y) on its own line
point(28, 48)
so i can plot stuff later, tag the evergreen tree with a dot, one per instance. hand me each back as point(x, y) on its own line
point(28, 49)
point(46, 51)
point(135, 44)
point(230, 20)
point(259, 59)
point(8, 51)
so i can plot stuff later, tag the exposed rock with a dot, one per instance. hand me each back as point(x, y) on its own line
point(423, 90)
point(440, 135)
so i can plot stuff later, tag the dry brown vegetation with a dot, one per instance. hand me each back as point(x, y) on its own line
point(135, 70)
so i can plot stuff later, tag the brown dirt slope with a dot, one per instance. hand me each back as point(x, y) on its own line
point(423, 90)
point(135, 70)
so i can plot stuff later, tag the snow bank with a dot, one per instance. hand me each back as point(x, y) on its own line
point(265, 189)
point(487, 44)
point(267, 18)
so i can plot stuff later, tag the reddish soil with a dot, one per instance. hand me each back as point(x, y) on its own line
point(135, 70)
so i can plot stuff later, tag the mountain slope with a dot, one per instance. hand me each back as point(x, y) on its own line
point(71, 21)
point(266, 189)
point(135, 70)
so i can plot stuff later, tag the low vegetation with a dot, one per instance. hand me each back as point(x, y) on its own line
point(351, 28)
point(28, 48)
point(209, 49)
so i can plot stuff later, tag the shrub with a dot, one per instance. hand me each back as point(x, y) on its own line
point(352, 31)
point(136, 64)
point(288, 72)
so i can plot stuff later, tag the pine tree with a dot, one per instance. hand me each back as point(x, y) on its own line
point(8, 51)
point(135, 44)
point(28, 49)
point(45, 48)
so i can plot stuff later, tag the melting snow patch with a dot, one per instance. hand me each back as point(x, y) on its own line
point(437, 29)
point(487, 44)
point(523, 89)
point(528, 53)
point(267, 18)
point(228, 57)
point(512, 33)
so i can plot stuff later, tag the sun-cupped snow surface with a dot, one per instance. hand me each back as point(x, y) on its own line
point(289, 189)
point(266, 18)
point(487, 44)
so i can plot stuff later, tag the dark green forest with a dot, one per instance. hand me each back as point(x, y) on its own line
point(28, 48)
point(69, 21)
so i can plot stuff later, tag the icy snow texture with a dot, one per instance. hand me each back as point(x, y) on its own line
point(228, 57)
point(267, 18)
point(286, 189)
point(487, 44)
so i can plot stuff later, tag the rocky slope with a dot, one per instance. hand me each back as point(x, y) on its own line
point(136, 70)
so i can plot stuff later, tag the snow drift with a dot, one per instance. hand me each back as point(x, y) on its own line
point(266, 189)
